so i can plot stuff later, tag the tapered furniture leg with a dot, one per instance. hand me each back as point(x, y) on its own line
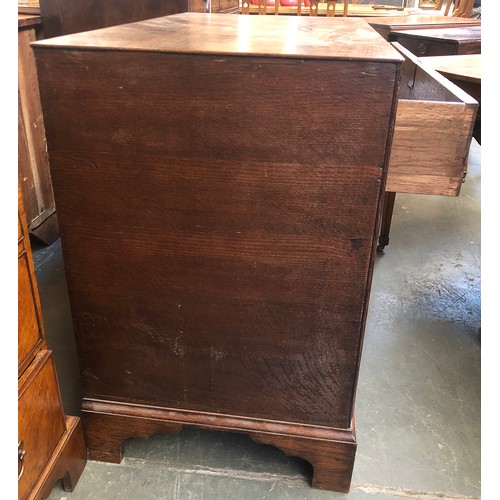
point(388, 208)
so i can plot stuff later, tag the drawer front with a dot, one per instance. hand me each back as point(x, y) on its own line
point(432, 133)
point(421, 47)
point(29, 319)
point(41, 421)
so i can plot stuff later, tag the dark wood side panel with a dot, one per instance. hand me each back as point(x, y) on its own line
point(228, 245)
point(62, 17)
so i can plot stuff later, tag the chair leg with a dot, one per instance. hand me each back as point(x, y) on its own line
point(447, 9)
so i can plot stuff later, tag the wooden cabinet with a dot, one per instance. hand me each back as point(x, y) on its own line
point(51, 445)
point(226, 278)
point(33, 165)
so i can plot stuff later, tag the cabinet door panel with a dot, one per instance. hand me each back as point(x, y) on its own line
point(41, 421)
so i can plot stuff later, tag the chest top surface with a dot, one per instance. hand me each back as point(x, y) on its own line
point(269, 36)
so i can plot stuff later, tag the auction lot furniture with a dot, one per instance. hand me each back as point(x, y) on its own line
point(440, 41)
point(50, 445)
point(225, 275)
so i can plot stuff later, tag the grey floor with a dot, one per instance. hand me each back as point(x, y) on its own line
point(419, 393)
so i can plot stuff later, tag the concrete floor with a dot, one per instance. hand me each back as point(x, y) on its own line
point(418, 400)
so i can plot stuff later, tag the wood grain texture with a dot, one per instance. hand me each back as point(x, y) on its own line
point(331, 452)
point(66, 463)
point(282, 36)
point(332, 461)
point(465, 67)
point(53, 445)
point(41, 422)
point(24, 20)
point(438, 117)
point(30, 328)
point(221, 247)
point(255, 226)
point(33, 163)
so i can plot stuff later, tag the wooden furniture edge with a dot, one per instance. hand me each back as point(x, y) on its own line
point(66, 463)
point(330, 451)
point(458, 93)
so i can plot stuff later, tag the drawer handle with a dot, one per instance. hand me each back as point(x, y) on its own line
point(21, 453)
point(422, 48)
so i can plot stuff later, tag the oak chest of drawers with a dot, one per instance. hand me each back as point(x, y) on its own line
point(218, 274)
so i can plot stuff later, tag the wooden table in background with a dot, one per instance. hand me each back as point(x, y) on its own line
point(465, 72)
point(440, 41)
point(387, 25)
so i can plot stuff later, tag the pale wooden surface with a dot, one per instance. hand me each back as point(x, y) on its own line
point(463, 67)
point(432, 134)
point(28, 7)
point(221, 34)
point(429, 148)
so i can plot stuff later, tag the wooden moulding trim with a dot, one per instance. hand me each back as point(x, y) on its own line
point(40, 359)
point(215, 421)
point(66, 463)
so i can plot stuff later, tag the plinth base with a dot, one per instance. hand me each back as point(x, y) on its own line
point(330, 451)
